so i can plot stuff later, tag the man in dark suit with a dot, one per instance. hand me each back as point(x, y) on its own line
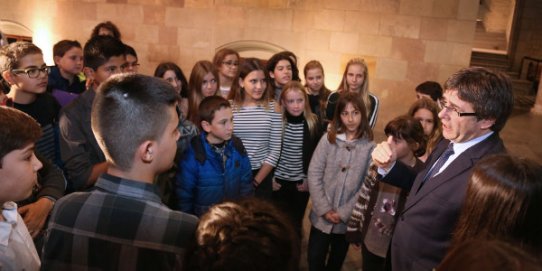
point(475, 107)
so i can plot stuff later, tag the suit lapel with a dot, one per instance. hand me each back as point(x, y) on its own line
point(441, 147)
point(458, 166)
point(463, 162)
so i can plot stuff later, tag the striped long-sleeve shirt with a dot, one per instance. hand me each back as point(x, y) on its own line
point(290, 166)
point(260, 129)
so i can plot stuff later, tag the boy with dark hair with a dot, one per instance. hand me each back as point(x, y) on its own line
point(215, 167)
point(121, 223)
point(82, 157)
point(66, 80)
point(65, 75)
point(131, 64)
point(429, 89)
point(22, 66)
point(18, 175)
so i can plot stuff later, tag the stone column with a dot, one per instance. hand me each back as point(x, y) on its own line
point(537, 108)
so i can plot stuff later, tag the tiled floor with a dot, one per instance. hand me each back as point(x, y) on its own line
point(522, 136)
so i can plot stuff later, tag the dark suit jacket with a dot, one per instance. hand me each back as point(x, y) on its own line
point(424, 228)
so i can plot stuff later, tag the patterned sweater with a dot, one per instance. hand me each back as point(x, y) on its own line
point(375, 213)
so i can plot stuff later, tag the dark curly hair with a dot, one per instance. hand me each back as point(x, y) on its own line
point(247, 235)
point(109, 26)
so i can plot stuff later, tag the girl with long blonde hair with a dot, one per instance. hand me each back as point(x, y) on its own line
point(301, 133)
point(355, 79)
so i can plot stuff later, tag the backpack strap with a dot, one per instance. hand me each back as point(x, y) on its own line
point(199, 149)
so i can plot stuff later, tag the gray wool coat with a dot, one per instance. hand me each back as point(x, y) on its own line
point(335, 175)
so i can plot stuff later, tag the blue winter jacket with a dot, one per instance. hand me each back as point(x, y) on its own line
point(203, 181)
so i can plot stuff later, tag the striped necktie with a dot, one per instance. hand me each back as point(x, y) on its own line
point(440, 162)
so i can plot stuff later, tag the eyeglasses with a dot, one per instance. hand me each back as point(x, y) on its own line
point(32, 72)
point(230, 63)
point(444, 105)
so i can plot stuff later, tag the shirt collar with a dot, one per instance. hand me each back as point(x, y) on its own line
point(128, 188)
point(341, 136)
point(463, 146)
point(9, 213)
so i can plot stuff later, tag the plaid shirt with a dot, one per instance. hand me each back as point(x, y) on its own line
point(119, 225)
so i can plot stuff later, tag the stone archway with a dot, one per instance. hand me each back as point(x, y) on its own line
point(12, 31)
point(253, 48)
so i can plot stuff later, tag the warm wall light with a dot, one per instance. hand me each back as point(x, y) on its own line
point(332, 81)
point(43, 39)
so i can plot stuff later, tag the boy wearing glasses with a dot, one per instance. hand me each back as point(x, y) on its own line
point(23, 69)
point(82, 157)
point(131, 64)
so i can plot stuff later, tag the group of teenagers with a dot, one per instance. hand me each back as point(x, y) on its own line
point(157, 176)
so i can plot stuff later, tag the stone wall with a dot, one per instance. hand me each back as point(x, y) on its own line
point(498, 15)
point(405, 42)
